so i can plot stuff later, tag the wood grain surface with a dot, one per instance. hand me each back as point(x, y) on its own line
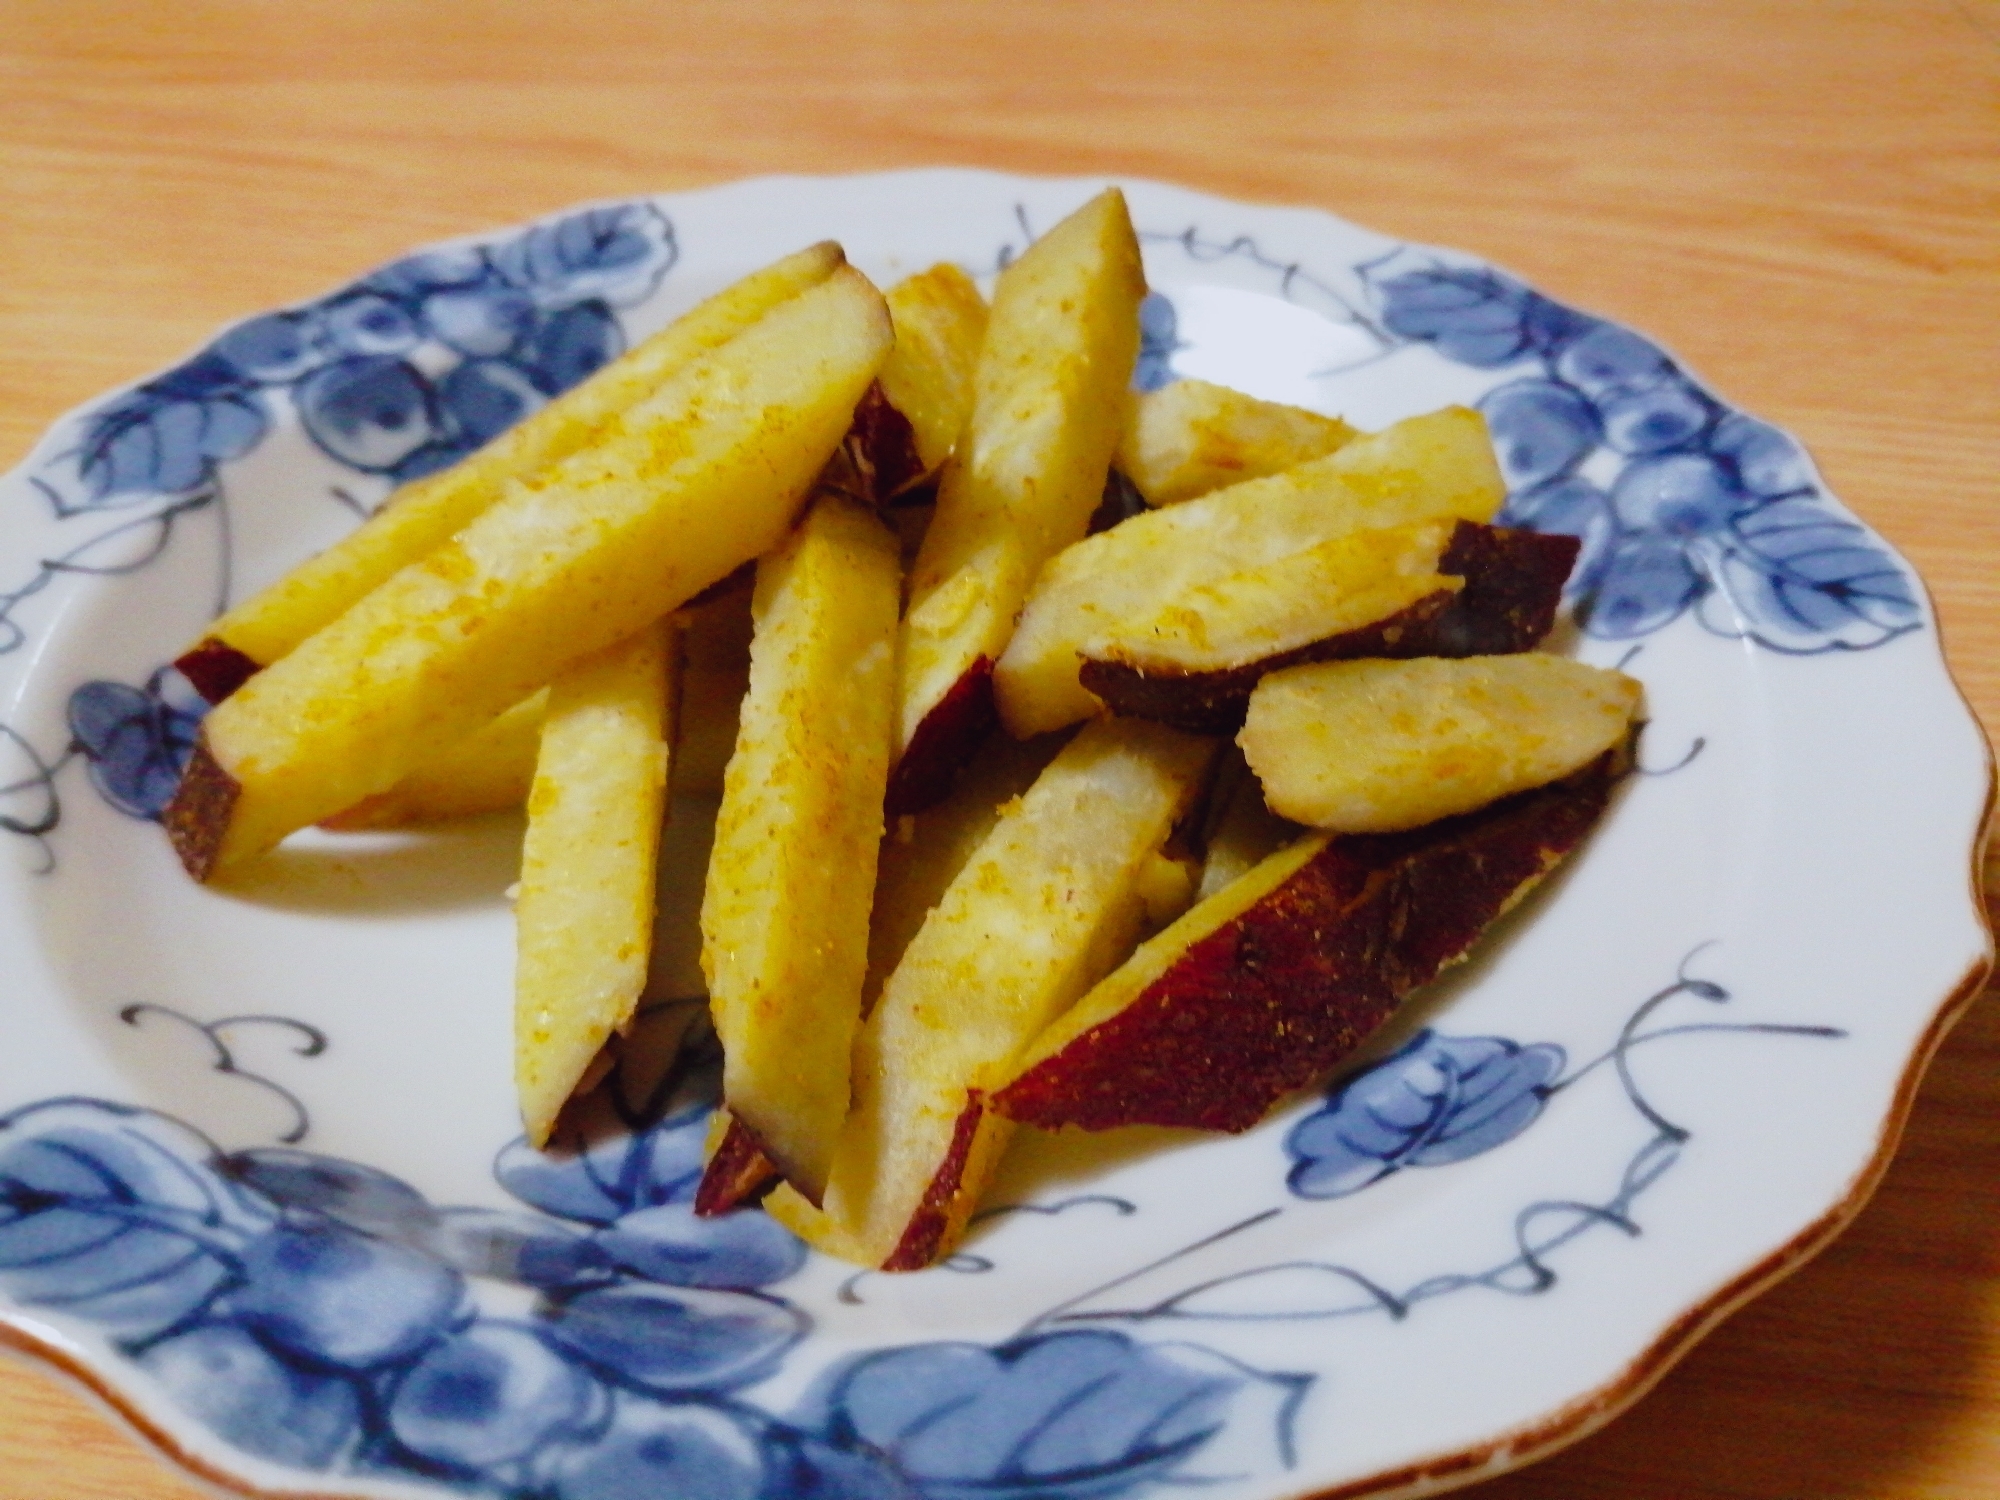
point(1800, 197)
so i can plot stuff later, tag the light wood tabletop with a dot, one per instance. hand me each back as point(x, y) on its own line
point(1800, 198)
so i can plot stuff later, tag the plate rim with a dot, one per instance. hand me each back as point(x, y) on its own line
point(1529, 1442)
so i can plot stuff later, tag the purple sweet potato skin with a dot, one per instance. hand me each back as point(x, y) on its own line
point(216, 668)
point(944, 741)
point(882, 447)
point(925, 1235)
point(738, 1172)
point(1513, 588)
point(1273, 1000)
point(197, 819)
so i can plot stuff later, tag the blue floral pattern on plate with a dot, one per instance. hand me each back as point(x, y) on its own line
point(1681, 503)
point(400, 374)
point(1435, 1101)
point(322, 1314)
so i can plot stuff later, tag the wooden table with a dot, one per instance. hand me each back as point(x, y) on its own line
point(1801, 198)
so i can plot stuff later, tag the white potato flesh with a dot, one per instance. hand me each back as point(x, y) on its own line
point(784, 914)
point(1191, 437)
point(584, 915)
point(1434, 467)
point(1050, 902)
point(1374, 746)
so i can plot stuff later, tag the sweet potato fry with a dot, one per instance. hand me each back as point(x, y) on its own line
point(923, 854)
point(1436, 588)
point(704, 475)
point(425, 514)
point(1375, 746)
point(927, 381)
point(1049, 398)
point(1191, 437)
point(1433, 467)
point(784, 915)
point(1264, 987)
point(584, 915)
point(1046, 905)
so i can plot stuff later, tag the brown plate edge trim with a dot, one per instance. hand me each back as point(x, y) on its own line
point(80, 1370)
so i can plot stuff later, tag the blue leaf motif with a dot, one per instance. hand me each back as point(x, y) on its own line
point(115, 1215)
point(1159, 341)
point(1472, 315)
point(1802, 577)
point(616, 1176)
point(1058, 1416)
point(1541, 430)
point(246, 1395)
point(669, 1243)
point(369, 411)
point(136, 740)
point(1436, 1100)
point(1551, 327)
point(676, 1340)
point(652, 1451)
point(617, 253)
point(491, 1394)
point(160, 441)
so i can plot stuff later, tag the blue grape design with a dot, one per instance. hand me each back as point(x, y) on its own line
point(1434, 1101)
point(136, 739)
point(1681, 504)
point(374, 371)
point(323, 1314)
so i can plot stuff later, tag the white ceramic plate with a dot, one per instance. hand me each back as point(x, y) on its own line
point(256, 1174)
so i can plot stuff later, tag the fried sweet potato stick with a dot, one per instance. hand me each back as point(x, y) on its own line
point(584, 915)
point(1049, 399)
point(426, 513)
point(1434, 467)
point(703, 476)
point(1048, 903)
point(784, 914)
